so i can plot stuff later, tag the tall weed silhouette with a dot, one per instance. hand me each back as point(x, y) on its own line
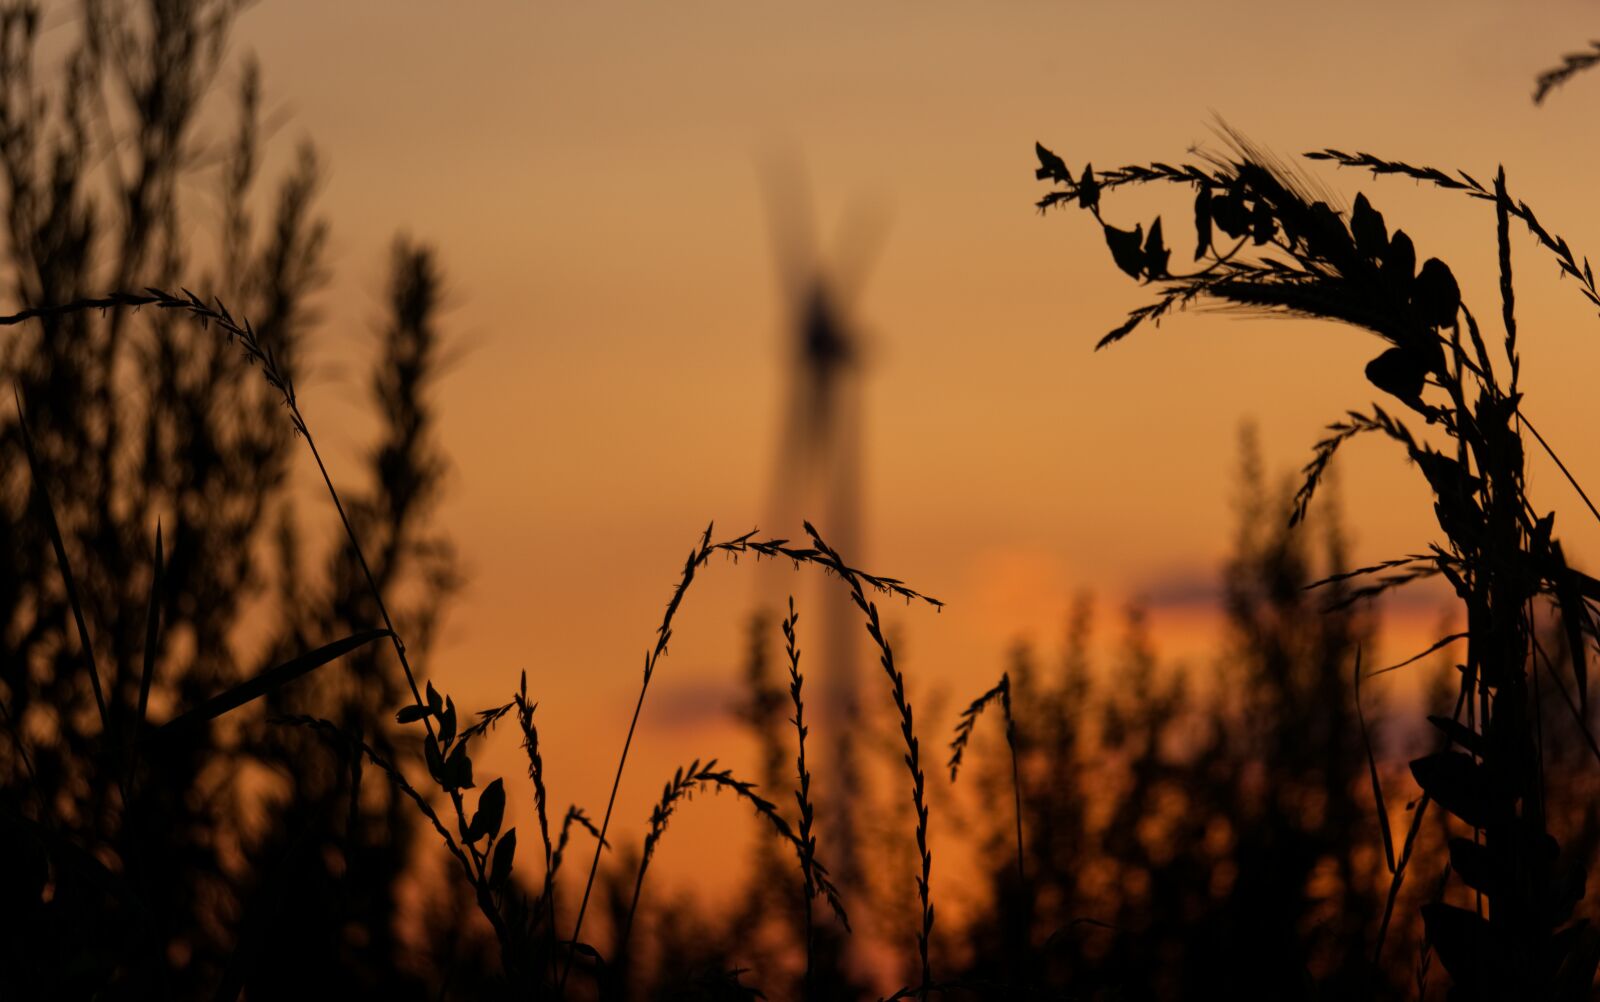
point(1267, 244)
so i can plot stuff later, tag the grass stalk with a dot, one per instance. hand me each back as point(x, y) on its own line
point(530, 744)
point(475, 862)
point(260, 353)
point(958, 747)
point(663, 633)
point(684, 782)
point(802, 795)
point(819, 555)
point(1313, 260)
point(913, 760)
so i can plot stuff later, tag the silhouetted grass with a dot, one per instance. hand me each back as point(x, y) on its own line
point(446, 753)
point(530, 946)
point(958, 747)
point(1572, 64)
point(525, 927)
point(802, 794)
point(488, 868)
point(1293, 254)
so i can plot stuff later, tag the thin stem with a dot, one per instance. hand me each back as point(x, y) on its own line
point(663, 634)
point(747, 543)
point(803, 793)
point(256, 352)
point(605, 826)
point(476, 874)
point(1016, 783)
point(897, 685)
point(1559, 464)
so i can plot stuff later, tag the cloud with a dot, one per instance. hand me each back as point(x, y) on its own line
point(695, 703)
point(1182, 590)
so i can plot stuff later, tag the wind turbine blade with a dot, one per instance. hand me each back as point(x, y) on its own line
point(857, 247)
point(791, 224)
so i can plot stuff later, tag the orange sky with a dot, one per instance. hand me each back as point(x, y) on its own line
point(590, 173)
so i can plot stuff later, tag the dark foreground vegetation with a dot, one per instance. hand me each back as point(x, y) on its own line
point(221, 759)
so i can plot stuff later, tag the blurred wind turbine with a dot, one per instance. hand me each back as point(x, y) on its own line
point(817, 469)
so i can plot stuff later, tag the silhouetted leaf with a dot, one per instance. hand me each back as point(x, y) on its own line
point(1473, 863)
point(1202, 221)
point(491, 811)
point(500, 866)
point(1155, 252)
point(411, 714)
point(1463, 942)
point(271, 679)
point(588, 951)
point(1263, 227)
point(430, 752)
point(1457, 582)
point(1229, 214)
point(1366, 225)
point(1460, 733)
point(447, 723)
point(1458, 784)
point(1088, 188)
point(457, 770)
point(1400, 262)
point(1051, 167)
point(1399, 371)
point(1462, 521)
point(1436, 295)
point(434, 702)
point(1445, 476)
point(1127, 248)
point(1325, 235)
point(1539, 538)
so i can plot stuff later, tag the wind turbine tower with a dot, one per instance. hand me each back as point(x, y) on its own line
point(817, 476)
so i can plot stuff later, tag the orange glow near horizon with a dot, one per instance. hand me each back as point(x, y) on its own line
point(591, 175)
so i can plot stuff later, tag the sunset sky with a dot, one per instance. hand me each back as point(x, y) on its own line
point(593, 177)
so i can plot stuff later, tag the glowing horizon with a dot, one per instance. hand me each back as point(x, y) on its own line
point(591, 177)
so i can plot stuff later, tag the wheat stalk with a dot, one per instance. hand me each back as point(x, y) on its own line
point(897, 688)
point(679, 788)
point(1314, 261)
point(738, 545)
point(260, 353)
point(1572, 64)
point(958, 747)
point(802, 794)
